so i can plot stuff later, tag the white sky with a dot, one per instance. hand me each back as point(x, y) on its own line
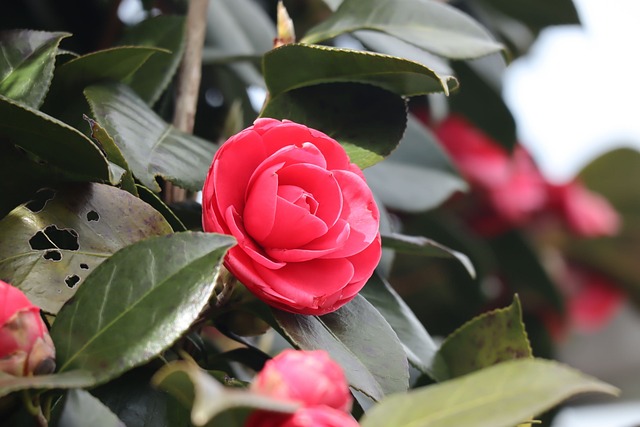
point(576, 94)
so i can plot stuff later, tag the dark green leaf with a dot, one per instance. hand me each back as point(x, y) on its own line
point(492, 337)
point(65, 99)
point(538, 14)
point(296, 65)
point(26, 64)
point(500, 396)
point(152, 199)
point(430, 25)
point(151, 147)
point(419, 245)
point(132, 398)
point(372, 357)
point(481, 103)
point(522, 269)
point(113, 154)
point(82, 409)
point(137, 303)
point(51, 141)
point(165, 32)
point(416, 341)
point(71, 379)
point(366, 120)
point(207, 398)
point(51, 244)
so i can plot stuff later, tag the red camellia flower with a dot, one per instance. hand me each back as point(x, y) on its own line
point(586, 213)
point(317, 416)
point(304, 218)
point(309, 377)
point(25, 345)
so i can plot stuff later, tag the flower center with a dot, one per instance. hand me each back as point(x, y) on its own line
point(299, 197)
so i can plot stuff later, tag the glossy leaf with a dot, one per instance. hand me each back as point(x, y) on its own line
point(113, 154)
point(117, 64)
point(538, 14)
point(207, 398)
point(71, 379)
point(82, 409)
point(493, 337)
point(51, 141)
point(148, 308)
point(151, 147)
point(416, 341)
point(367, 121)
point(500, 396)
point(154, 75)
point(51, 244)
point(372, 357)
point(26, 64)
point(294, 66)
point(419, 245)
point(428, 24)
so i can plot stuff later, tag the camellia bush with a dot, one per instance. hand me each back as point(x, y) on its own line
point(231, 214)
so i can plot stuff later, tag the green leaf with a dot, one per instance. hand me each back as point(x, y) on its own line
point(500, 396)
point(538, 14)
point(165, 32)
point(372, 357)
point(51, 141)
point(522, 268)
point(118, 64)
point(491, 338)
point(82, 409)
point(366, 120)
point(482, 103)
point(51, 244)
point(151, 147)
point(71, 379)
point(137, 403)
point(27, 63)
point(419, 245)
point(113, 153)
point(294, 66)
point(207, 398)
point(430, 25)
point(152, 199)
point(125, 315)
point(416, 341)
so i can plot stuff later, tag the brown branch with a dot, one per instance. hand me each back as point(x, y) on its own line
point(189, 81)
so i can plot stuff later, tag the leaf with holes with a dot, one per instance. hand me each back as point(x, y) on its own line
point(500, 396)
point(137, 303)
point(359, 339)
point(207, 398)
point(51, 244)
point(26, 64)
point(294, 66)
point(492, 337)
point(151, 147)
point(366, 120)
point(428, 24)
point(165, 32)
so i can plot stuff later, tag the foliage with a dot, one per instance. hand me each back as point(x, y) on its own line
point(138, 298)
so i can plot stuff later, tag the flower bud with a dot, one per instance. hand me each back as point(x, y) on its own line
point(25, 345)
point(308, 377)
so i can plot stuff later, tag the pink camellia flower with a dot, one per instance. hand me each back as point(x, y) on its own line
point(25, 345)
point(317, 416)
point(309, 377)
point(586, 213)
point(304, 218)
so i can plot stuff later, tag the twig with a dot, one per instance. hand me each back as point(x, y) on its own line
point(189, 81)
